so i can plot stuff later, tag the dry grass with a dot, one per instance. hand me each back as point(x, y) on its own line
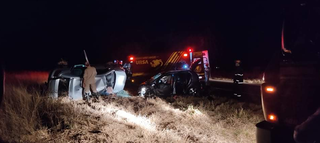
point(30, 117)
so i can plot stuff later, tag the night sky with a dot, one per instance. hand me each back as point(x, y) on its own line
point(35, 34)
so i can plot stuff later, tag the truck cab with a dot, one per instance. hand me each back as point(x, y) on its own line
point(290, 93)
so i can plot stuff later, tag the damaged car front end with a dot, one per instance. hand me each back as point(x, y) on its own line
point(177, 82)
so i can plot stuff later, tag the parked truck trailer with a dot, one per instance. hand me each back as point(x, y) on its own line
point(290, 93)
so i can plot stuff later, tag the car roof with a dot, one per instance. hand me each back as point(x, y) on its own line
point(177, 71)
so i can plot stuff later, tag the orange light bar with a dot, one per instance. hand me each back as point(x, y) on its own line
point(270, 89)
point(272, 117)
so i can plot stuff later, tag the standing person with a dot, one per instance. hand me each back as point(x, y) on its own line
point(207, 73)
point(62, 63)
point(238, 78)
point(89, 81)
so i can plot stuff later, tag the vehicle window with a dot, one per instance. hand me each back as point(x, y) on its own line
point(154, 78)
point(182, 78)
point(166, 79)
point(302, 33)
point(78, 71)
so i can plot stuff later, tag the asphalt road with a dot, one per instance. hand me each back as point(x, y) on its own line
point(250, 92)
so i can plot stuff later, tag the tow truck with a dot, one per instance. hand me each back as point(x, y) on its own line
point(142, 67)
point(290, 93)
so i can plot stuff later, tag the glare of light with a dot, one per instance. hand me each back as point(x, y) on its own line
point(272, 117)
point(190, 110)
point(200, 77)
point(138, 120)
point(121, 115)
point(198, 112)
point(132, 80)
point(143, 91)
point(120, 80)
point(270, 89)
point(131, 58)
point(185, 55)
point(185, 66)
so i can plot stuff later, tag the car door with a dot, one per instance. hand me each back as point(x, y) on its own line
point(163, 85)
point(181, 82)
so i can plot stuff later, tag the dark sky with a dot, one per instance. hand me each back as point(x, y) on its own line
point(35, 34)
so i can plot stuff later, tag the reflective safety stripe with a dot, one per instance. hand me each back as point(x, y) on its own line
point(170, 58)
point(177, 58)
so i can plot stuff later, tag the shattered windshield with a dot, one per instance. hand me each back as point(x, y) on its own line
point(154, 77)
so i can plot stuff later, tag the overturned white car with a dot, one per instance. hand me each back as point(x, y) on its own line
point(68, 81)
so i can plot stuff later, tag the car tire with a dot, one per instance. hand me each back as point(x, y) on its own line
point(194, 91)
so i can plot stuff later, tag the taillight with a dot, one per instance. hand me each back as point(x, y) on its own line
point(270, 89)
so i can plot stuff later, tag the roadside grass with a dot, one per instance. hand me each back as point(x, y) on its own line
point(28, 115)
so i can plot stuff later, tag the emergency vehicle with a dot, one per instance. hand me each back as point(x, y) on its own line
point(140, 67)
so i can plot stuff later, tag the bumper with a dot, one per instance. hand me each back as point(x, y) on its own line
point(272, 133)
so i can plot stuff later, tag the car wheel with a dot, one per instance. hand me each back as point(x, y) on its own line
point(145, 92)
point(193, 91)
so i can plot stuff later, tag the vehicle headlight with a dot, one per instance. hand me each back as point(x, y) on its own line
point(143, 91)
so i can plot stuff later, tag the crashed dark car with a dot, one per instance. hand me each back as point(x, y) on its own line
point(177, 82)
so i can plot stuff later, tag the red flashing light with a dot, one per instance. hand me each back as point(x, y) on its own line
point(131, 58)
point(190, 49)
point(185, 55)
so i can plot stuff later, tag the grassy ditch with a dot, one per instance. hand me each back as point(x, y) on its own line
point(28, 116)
